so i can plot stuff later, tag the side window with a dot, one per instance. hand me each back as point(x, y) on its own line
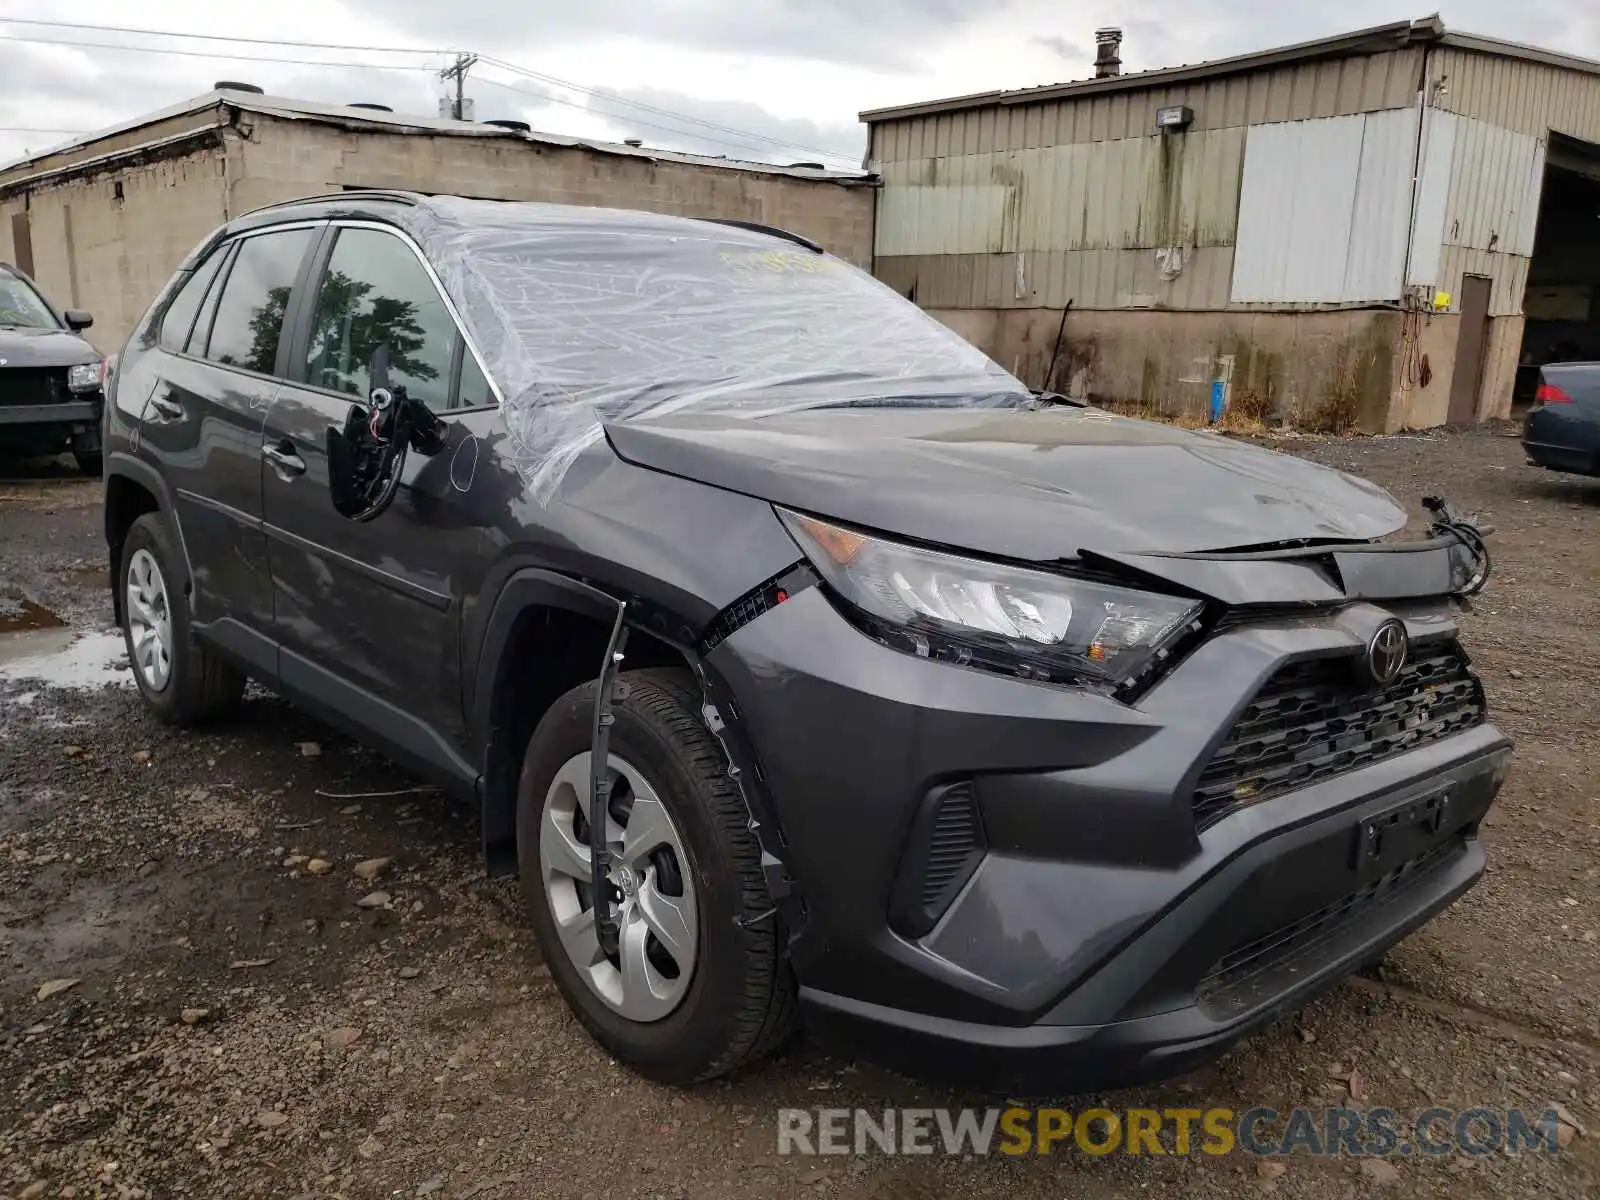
point(255, 296)
point(208, 307)
point(475, 390)
point(375, 293)
point(179, 318)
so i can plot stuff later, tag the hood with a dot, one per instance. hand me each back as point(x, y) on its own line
point(1027, 484)
point(44, 348)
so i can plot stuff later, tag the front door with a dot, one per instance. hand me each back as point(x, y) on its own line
point(221, 339)
point(368, 613)
point(1471, 348)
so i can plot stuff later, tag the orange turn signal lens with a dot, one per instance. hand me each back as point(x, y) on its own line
point(841, 545)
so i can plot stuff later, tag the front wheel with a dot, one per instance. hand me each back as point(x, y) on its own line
point(698, 986)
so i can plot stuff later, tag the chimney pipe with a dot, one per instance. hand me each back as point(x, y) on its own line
point(1107, 52)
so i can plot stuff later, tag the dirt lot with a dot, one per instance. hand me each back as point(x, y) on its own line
point(242, 1025)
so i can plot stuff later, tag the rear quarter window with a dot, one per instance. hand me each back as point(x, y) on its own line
point(248, 325)
point(179, 318)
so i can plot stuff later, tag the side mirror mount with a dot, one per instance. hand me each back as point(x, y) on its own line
point(77, 320)
point(367, 455)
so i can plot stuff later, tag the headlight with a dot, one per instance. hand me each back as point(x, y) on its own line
point(984, 614)
point(84, 378)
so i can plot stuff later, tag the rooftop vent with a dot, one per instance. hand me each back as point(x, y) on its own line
point(514, 126)
point(636, 143)
point(233, 85)
point(369, 105)
point(1107, 52)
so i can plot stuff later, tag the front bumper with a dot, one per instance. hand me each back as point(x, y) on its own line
point(1100, 939)
point(67, 413)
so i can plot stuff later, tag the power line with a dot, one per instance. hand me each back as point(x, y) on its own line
point(614, 98)
point(741, 138)
point(303, 62)
point(216, 37)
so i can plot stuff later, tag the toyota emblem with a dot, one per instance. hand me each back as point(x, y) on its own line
point(1386, 653)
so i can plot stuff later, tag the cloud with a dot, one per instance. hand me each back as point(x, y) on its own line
point(876, 33)
point(1058, 45)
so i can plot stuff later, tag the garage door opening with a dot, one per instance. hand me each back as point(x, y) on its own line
point(1562, 304)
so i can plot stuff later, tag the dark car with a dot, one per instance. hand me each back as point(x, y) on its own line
point(50, 385)
point(798, 658)
point(1562, 431)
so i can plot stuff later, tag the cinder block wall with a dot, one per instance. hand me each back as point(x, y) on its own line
point(109, 241)
point(280, 160)
point(111, 254)
point(1312, 369)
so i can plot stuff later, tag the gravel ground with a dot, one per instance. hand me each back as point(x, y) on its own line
point(250, 1016)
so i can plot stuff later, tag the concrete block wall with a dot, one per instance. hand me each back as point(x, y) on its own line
point(281, 160)
point(109, 241)
point(1310, 368)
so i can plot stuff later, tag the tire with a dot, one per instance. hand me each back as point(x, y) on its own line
point(196, 686)
point(739, 1003)
point(90, 463)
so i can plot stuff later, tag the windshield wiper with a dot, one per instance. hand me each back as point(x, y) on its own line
point(1044, 399)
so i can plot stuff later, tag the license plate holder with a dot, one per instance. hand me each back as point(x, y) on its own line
point(1386, 839)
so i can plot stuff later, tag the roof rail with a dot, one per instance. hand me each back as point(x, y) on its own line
point(397, 197)
point(757, 227)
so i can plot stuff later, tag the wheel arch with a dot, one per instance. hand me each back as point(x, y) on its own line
point(546, 635)
point(133, 489)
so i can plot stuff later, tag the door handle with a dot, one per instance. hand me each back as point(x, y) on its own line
point(284, 459)
point(168, 407)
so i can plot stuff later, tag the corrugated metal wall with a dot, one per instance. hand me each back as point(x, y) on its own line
point(1339, 87)
point(1039, 204)
point(1324, 210)
point(1477, 208)
point(1525, 97)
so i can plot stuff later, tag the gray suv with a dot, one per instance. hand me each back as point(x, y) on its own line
point(800, 660)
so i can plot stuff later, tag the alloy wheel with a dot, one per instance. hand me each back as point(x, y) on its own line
point(149, 621)
point(648, 882)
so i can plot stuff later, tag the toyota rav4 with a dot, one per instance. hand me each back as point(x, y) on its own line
point(800, 660)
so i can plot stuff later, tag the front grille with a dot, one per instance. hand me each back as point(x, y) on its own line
point(1314, 720)
point(33, 385)
point(1228, 985)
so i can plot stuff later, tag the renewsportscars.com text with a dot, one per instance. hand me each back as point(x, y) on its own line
point(1376, 1132)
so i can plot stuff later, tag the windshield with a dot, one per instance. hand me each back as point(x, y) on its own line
point(593, 315)
point(21, 307)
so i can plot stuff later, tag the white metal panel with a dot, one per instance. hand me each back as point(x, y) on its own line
point(1433, 194)
point(1295, 210)
point(1375, 260)
point(1492, 206)
point(1324, 210)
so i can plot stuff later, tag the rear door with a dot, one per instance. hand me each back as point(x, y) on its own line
point(368, 613)
point(223, 347)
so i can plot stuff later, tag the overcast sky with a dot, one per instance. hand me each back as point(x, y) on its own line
point(796, 71)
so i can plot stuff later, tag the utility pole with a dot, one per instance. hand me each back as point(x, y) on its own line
point(458, 71)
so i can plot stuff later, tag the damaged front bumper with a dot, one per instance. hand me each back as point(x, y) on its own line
point(1031, 887)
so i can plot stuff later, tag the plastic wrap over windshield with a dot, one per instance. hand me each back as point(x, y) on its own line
point(587, 316)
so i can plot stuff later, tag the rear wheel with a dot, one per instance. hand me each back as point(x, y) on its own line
point(182, 683)
point(695, 989)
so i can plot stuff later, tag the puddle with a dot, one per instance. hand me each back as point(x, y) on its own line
point(61, 658)
point(18, 614)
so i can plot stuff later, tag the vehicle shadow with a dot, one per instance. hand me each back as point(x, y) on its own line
point(1575, 490)
point(40, 470)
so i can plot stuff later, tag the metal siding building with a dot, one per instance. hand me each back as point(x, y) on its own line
point(1274, 245)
